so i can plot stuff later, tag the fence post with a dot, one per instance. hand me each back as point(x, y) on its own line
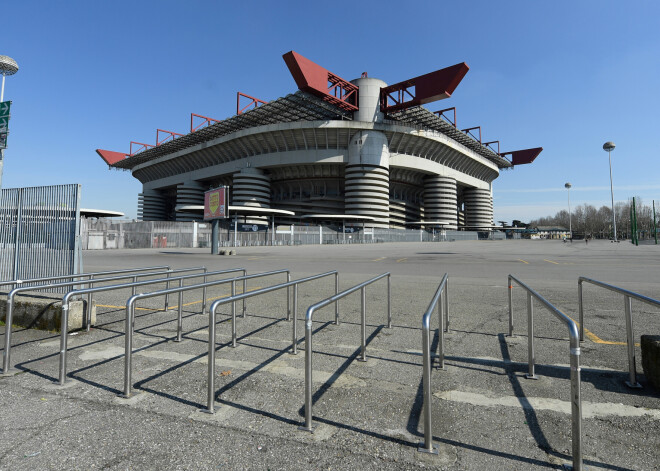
point(530, 337)
point(446, 299)
point(294, 347)
point(510, 285)
point(576, 403)
point(203, 289)
point(427, 446)
point(632, 369)
point(441, 334)
point(288, 298)
point(88, 318)
point(179, 321)
point(389, 303)
point(211, 361)
point(363, 329)
point(337, 302)
point(18, 233)
point(581, 309)
point(233, 315)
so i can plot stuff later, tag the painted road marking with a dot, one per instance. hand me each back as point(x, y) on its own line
point(379, 259)
point(589, 409)
point(550, 261)
point(177, 306)
point(521, 260)
point(401, 260)
point(594, 338)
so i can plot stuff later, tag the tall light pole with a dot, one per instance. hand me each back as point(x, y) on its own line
point(8, 66)
point(609, 147)
point(570, 224)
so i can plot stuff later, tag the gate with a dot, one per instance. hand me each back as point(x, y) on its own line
point(39, 231)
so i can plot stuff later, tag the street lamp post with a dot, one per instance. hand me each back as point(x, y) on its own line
point(609, 147)
point(8, 66)
point(570, 224)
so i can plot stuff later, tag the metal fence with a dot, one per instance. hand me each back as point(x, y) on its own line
point(99, 234)
point(574, 339)
point(39, 231)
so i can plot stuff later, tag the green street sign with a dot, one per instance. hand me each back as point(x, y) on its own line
point(4, 123)
point(4, 108)
point(3, 140)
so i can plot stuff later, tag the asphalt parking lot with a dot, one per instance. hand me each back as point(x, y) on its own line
point(368, 415)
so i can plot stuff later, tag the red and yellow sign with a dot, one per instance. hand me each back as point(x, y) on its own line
point(215, 206)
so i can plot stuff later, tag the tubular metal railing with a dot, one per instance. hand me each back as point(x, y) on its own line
point(78, 275)
point(130, 316)
point(210, 408)
point(66, 299)
point(6, 361)
point(628, 296)
point(308, 335)
point(441, 300)
point(576, 401)
point(153, 271)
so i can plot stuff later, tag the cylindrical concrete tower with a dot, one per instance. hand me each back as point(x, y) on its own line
point(369, 100)
point(440, 200)
point(367, 176)
point(251, 188)
point(189, 193)
point(478, 208)
point(152, 206)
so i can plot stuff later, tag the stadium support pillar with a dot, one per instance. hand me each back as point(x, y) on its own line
point(215, 225)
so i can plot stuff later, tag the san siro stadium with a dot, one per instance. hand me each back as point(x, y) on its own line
point(361, 151)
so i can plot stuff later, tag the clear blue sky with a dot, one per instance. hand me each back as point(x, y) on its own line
point(564, 75)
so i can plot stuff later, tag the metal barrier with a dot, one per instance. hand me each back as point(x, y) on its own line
point(66, 299)
point(308, 336)
point(130, 315)
point(79, 275)
point(576, 401)
point(628, 296)
point(10, 304)
point(210, 409)
point(441, 295)
point(91, 275)
point(40, 231)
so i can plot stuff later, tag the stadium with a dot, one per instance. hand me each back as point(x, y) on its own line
point(359, 150)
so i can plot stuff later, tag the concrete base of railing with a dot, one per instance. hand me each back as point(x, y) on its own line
point(44, 312)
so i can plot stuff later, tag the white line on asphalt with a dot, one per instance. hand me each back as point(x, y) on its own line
point(589, 409)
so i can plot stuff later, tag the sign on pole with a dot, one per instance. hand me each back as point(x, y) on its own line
point(215, 203)
point(4, 123)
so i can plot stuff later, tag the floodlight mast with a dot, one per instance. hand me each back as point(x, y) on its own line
point(8, 66)
point(570, 224)
point(609, 147)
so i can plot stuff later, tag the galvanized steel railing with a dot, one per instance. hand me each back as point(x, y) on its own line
point(6, 362)
point(130, 315)
point(576, 401)
point(308, 335)
point(441, 300)
point(66, 299)
point(210, 408)
point(628, 296)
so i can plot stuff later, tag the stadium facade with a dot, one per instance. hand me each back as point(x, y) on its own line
point(333, 149)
